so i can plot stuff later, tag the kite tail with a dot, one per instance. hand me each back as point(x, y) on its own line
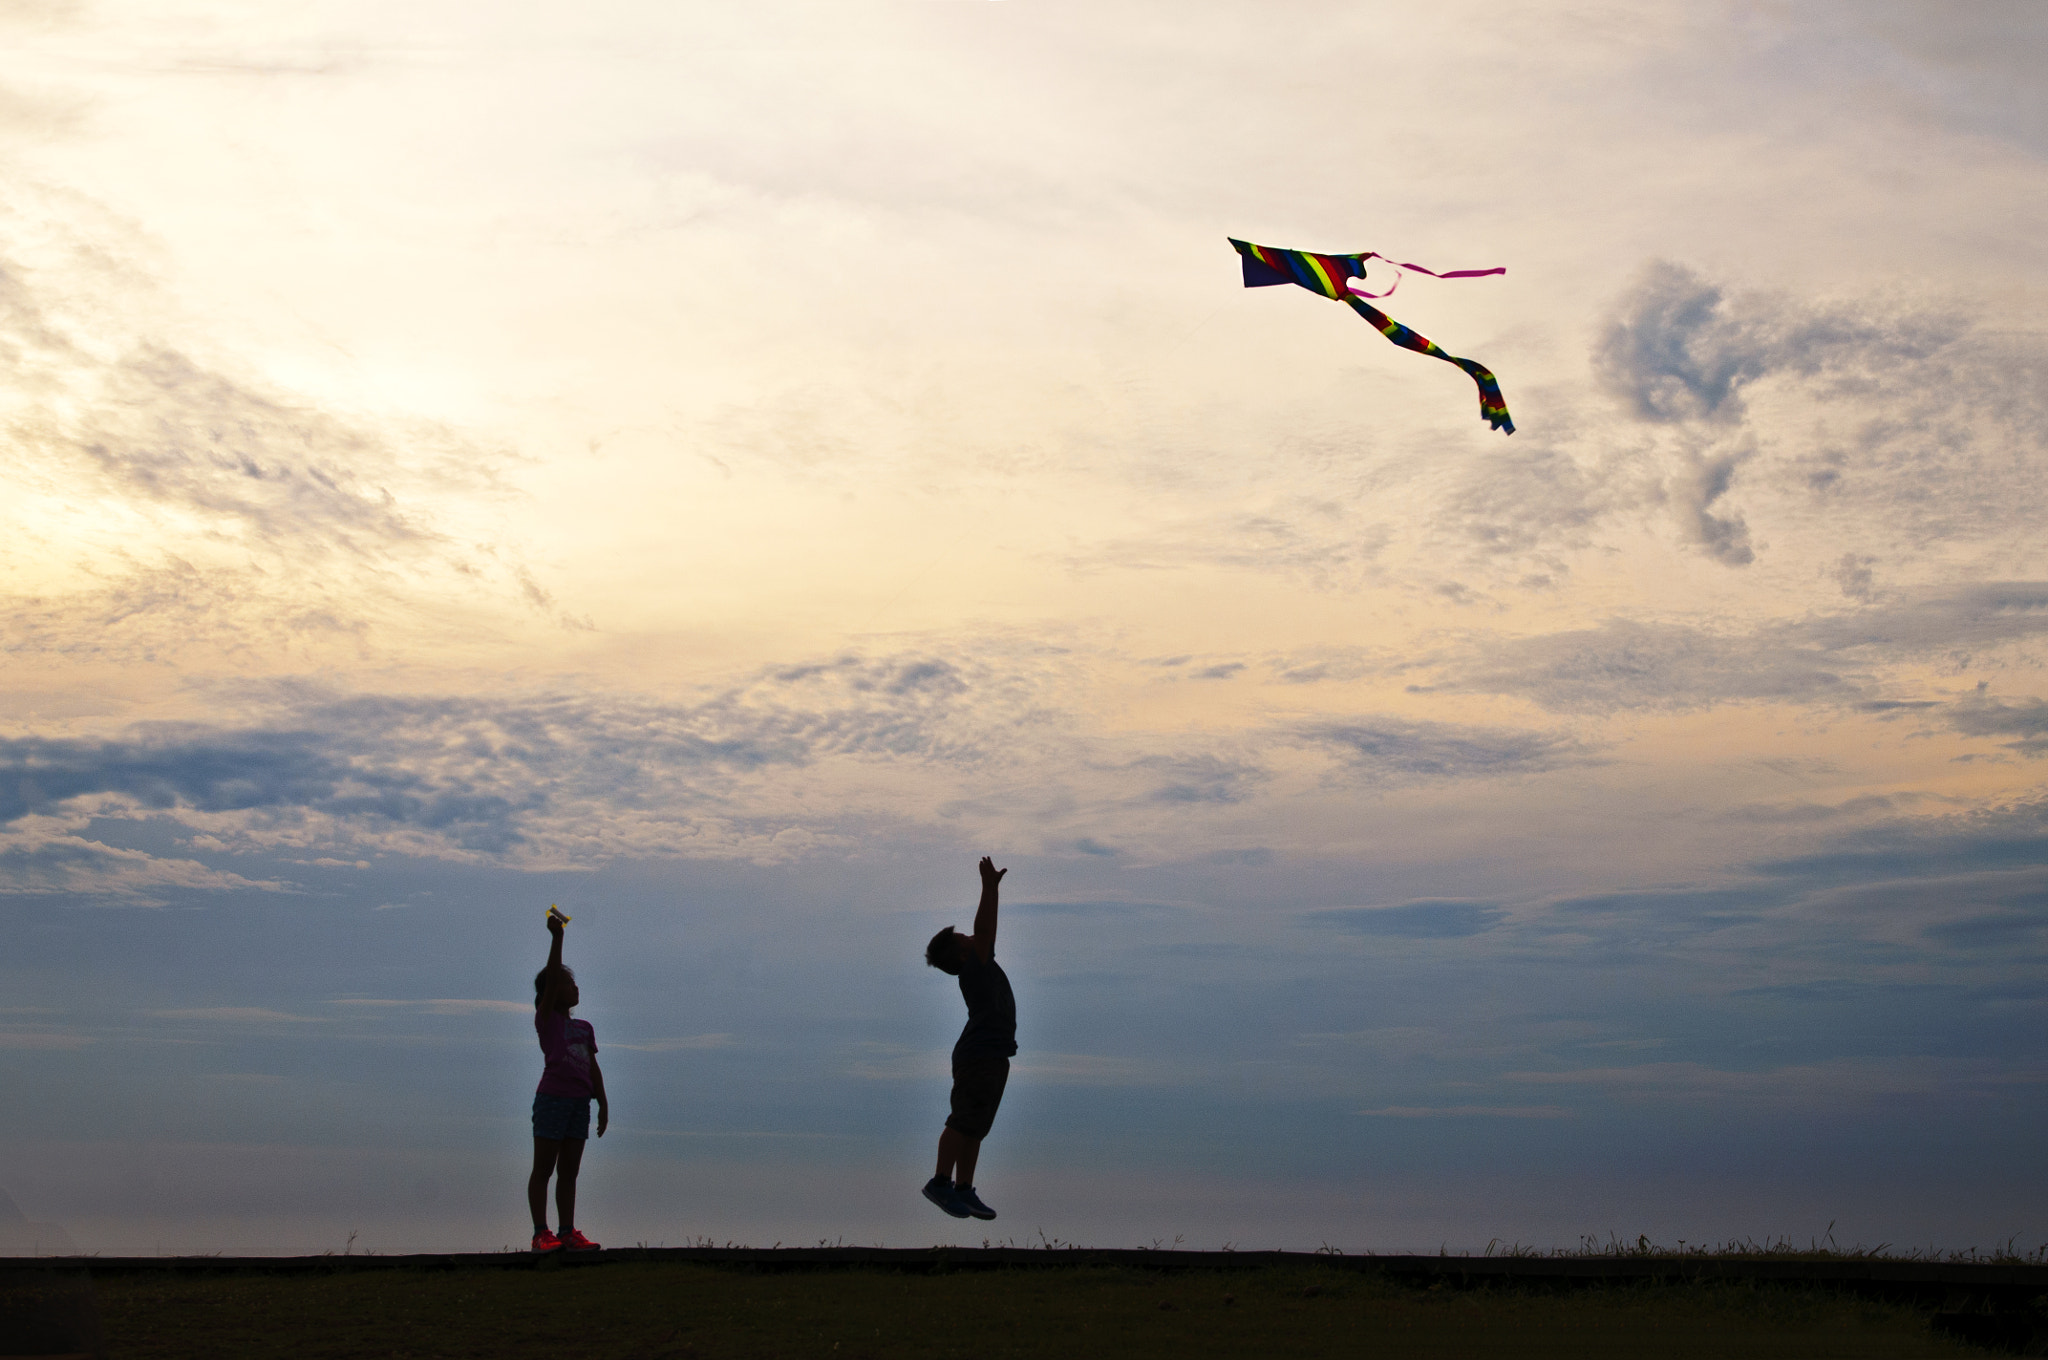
point(1492, 406)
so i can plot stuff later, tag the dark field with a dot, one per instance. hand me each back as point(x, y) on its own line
point(666, 1309)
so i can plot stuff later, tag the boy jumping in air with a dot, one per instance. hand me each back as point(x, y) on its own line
point(981, 1058)
point(561, 1106)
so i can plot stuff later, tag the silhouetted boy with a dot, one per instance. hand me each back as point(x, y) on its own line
point(561, 1106)
point(981, 1057)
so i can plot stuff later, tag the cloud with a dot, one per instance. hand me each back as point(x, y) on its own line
point(1392, 749)
point(1093, 1069)
point(153, 502)
point(1678, 349)
point(1200, 779)
point(1725, 537)
point(442, 1005)
point(1858, 1079)
point(1469, 1112)
point(166, 430)
point(1306, 537)
point(1852, 573)
point(184, 767)
point(1623, 664)
point(550, 777)
point(238, 1015)
point(1917, 427)
point(1986, 841)
point(1832, 659)
point(1533, 506)
point(1428, 919)
point(1314, 666)
point(1692, 909)
point(1976, 65)
point(2006, 930)
point(36, 861)
point(686, 1043)
point(1983, 716)
point(1963, 619)
point(1902, 423)
point(1673, 354)
point(1099, 910)
point(1793, 814)
point(42, 1039)
point(893, 1062)
point(112, 409)
point(1956, 898)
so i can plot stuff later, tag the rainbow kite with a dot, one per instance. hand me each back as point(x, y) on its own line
point(1265, 266)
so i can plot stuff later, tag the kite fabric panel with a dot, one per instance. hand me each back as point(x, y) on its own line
point(1327, 275)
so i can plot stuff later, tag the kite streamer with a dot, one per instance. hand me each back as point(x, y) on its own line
point(1328, 275)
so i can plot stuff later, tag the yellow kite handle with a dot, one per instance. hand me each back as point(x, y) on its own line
point(555, 914)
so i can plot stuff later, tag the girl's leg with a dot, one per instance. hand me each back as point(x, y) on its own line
point(565, 1183)
point(970, 1153)
point(545, 1152)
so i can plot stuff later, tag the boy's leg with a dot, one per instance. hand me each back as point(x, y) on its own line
point(951, 1144)
point(970, 1153)
point(545, 1151)
point(977, 1093)
point(565, 1183)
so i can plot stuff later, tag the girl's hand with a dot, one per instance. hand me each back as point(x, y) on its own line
point(604, 1118)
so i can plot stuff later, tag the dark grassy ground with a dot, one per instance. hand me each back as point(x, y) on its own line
point(667, 1311)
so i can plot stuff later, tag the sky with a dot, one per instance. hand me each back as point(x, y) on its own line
point(726, 468)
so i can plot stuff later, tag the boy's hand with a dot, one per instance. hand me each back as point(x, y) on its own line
point(604, 1117)
point(990, 875)
point(555, 926)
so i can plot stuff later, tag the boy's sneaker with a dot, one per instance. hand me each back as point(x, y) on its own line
point(971, 1202)
point(546, 1241)
point(576, 1241)
point(940, 1191)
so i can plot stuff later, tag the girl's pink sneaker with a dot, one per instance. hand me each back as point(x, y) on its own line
point(576, 1241)
point(547, 1241)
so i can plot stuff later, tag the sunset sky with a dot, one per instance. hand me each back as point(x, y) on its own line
point(724, 468)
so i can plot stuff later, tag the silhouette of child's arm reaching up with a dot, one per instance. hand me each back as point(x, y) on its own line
point(557, 976)
point(984, 937)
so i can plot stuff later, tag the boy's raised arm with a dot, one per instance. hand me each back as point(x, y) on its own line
point(551, 991)
point(985, 914)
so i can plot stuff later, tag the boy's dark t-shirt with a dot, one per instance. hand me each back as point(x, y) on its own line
point(991, 1011)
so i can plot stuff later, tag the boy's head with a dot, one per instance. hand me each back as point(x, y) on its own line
point(944, 952)
point(569, 995)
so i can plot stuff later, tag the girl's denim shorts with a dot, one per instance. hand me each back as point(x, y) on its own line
point(560, 1117)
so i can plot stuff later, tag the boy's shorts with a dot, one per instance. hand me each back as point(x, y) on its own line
point(977, 1090)
point(561, 1117)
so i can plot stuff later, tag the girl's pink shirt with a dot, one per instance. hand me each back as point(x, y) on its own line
point(567, 1045)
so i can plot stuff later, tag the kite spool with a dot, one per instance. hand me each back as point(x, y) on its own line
point(555, 914)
